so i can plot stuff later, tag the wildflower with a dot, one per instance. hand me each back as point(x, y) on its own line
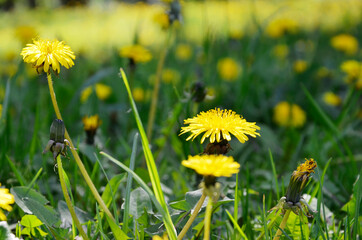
point(228, 69)
point(91, 125)
point(162, 20)
point(138, 94)
point(183, 52)
point(352, 68)
point(289, 115)
point(25, 33)
point(293, 198)
point(170, 76)
point(218, 124)
point(85, 94)
point(136, 53)
point(281, 51)
point(6, 199)
point(103, 91)
point(1, 110)
point(300, 66)
point(279, 27)
point(164, 237)
point(212, 165)
point(48, 54)
point(345, 43)
point(332, 99)
point(57, 143)
point(323, 72)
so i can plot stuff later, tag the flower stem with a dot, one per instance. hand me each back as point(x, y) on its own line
point(156, 88)
point(67, 199)
point(207, 219)
point(75, 154)
point(192, 217)
point(282, 225)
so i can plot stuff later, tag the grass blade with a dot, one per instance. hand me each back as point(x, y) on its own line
point(274, 174)
point(236, 225)
point(151, 165)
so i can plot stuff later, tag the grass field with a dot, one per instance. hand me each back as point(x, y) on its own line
point(148, 81)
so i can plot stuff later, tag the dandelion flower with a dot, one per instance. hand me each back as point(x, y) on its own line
point(332, 99)
point(137, 53)
point(1, 109)
point(289, 115)
point(300, 66)
point(183, 52)
point(281, 51)
point(279, 27)
point(91, 125)
point(85, 94)
point(345, 43)
point(103, 91)
point(47, 54)
point(229, 70)
point(352, 68)
point(212, 165)
point(6, 199)
point(25, 33)
point(138, 94)
point(218, 125)
point(170, 76)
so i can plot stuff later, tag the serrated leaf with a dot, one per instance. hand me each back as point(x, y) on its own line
point(113, 184)
point(33, 202)
point(139, 201)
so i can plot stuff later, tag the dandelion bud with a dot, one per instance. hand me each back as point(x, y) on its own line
point(198, 92)
point(57, 143)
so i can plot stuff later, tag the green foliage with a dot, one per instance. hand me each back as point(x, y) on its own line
point(31, 226)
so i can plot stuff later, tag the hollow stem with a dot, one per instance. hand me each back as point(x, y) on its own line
point(192, 217)
point(282, 225)
point(207, 219)
point(75, 154)
point(156, 88)
point(67, 199)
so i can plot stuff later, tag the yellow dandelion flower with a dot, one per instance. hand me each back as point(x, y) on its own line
point(162, 20)
point(1, 110)
point(164, 237)
point(103, 91)
point(6, 199)
point(281, 51)
point(332, 99)
point(279, 27)
point(212, 165)
point(170, 76)
point(85, 94)
point(183, 52)
point(289, 115)
point(300, 66)
point(91, 123)
point(218, 125)
point(48, 54)
point(137, 53)
point(229, 70)
point(323, 72)
point(352, 68)
point(345, 43)
point(138, 94)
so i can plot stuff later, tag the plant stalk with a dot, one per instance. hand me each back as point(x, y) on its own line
point(282, 225)
point(192, 217)
point(67, 199)
point(207, 219)
point(75, 154)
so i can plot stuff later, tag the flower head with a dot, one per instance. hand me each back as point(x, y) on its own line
point(137, 53)
point(183, 52)
point(212, 165)
point(47, 54)
point(289, 115)
point(332, 99)
point(352, 68)
point(281, 51)
point(170, 76)
point(228, 69)
point(279, 27)
point(300, 66)
point(25, 33)
point(138, 94)
point(345, 43)
point(91, 125)
point(6, 199)
point(103, 91)
point(218, 124)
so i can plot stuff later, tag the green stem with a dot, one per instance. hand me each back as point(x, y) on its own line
point(156, 88)
point(208, 219)
point(75, 154)
point(67, 199)
point(282, 225)
point(192, 217)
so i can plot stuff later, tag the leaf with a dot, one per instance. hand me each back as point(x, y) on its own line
point(33, 202)
point(30, 221)
point(139, 201)
point(181, 205)
point(113, 184)
point(66, 218)
point(116, 230)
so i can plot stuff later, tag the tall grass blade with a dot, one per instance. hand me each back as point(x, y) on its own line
point(274, 174)
point(129, 184)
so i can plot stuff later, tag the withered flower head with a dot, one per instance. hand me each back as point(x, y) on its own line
point(57, 143)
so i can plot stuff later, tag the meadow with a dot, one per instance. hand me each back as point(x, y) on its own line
point(181, 120)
